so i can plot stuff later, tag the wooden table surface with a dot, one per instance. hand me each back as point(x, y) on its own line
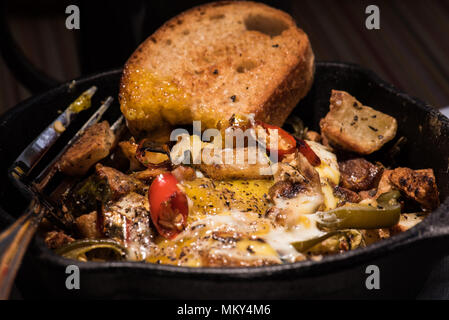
point(410, 50)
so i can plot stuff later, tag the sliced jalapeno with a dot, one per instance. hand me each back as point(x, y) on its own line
point(357, 216)
point(353, 237)
point(77, 250)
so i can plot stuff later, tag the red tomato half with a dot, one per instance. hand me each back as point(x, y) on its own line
point(286, 142)
point(307, 152)
point(168, 206)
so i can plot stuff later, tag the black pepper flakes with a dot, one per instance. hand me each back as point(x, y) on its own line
point(275, 46)
point(380, 137)
point(374, 129)
point(233, 98)
point(215, 71)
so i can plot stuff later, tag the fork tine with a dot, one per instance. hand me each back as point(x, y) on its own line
point(34, 152)
point(43, 177)
point(118, 127)
point(92, 120)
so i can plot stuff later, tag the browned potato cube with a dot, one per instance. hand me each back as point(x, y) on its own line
point(87, 226)
point(419, 185)
point(94, 145)
point(355, 127)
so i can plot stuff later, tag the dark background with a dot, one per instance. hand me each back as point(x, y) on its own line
point(410, 50)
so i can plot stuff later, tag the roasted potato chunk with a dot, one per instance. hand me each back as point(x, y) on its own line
point(87, 226)
point(417, 184)
point(407, 221)
point(94, 145)
point(118, 183)
point(355, 127)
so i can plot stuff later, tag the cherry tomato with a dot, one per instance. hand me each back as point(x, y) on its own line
point(286, 142)
point(307, 152)
point(168, 206)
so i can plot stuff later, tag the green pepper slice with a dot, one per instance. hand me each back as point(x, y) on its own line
point(357, 216)
point(302, 246)
point(77, 250)
point(354, 238)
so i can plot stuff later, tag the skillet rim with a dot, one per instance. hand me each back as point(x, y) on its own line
point(427, 229)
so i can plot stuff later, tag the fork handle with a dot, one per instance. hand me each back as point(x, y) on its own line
point(14, 243)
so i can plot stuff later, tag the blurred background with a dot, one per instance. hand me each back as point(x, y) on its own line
point(410, 50)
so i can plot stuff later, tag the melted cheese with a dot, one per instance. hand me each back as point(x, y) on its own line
point(281, 239)
point(236, 235)
point(329, 173)
point(232, 234)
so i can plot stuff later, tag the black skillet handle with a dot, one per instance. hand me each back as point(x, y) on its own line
point(24, 71)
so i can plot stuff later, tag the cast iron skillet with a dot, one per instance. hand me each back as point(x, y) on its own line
point(403, 260)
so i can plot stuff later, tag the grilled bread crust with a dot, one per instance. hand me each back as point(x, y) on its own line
point(214, 61)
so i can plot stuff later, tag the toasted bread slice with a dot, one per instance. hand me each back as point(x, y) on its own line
point(214, 61)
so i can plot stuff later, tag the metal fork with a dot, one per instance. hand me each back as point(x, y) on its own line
point(15, 239)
